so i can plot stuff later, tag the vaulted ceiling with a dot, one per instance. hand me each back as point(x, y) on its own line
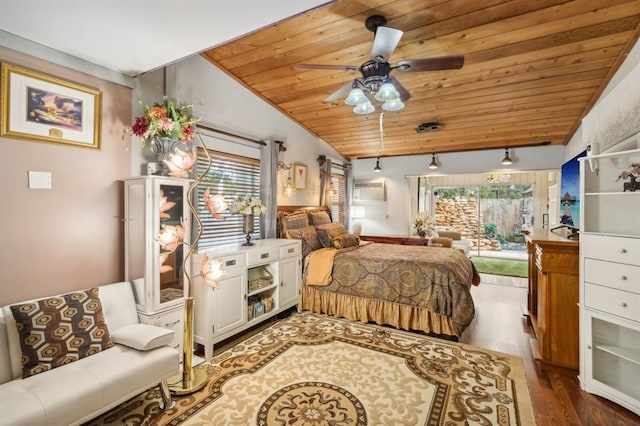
point(532, 70)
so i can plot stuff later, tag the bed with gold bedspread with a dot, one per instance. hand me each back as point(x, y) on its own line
point(408, 287)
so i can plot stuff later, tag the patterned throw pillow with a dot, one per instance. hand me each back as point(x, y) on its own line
point(319, 218)
point(329, 231)
point(59, 330)
point(346, 240)
point(309, 238)
point(295, 220)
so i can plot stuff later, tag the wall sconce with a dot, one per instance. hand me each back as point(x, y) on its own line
point(289, 188)
point(506, 161)
point(433, 164)
point(377, 168)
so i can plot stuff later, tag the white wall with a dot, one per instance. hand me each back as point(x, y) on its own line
point(226, 105)
point(392, 217)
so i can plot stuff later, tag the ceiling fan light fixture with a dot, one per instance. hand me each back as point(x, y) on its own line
point(393, 105)
point(356, 97)
point(506, 161)
point(387, 92)
point(364, 108)
point(377, 168)
point(433, 164)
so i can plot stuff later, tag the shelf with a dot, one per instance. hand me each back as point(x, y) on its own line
point(626, 354)
point(262, 290)
point(628, 193)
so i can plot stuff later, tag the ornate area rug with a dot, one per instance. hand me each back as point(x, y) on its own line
point(310, 369)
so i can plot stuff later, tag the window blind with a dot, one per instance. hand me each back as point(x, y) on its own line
point(337, 197)
point(232, 176)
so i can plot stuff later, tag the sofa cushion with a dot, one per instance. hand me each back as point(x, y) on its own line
point(58, 330)
point(142, 336)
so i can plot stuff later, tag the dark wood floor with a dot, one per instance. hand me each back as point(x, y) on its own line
point(555, 392)
point(499, 325)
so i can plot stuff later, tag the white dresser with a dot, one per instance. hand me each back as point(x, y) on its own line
point(259, 282)
point(610, 281)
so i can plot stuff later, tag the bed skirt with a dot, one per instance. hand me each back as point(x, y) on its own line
point(381, 312)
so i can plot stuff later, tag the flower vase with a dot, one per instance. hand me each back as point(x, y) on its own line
point(632, 185)
point(247, 228)
point(173, 157)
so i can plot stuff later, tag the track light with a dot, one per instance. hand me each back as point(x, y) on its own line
point(433, 164)
point(506, 160)
point(377, 168)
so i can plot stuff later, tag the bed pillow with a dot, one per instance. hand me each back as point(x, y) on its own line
point(319, 218)
point(346, 240)
point(295, 220)
point(58, 330)
point(329, 231)
point(309, 238)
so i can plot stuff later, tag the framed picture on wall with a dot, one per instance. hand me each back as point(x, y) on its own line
point(40, 107)
point(299, 176)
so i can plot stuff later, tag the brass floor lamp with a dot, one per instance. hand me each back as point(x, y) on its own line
point(190, 380)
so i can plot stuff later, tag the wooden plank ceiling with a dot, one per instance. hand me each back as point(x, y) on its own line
point(532, 69)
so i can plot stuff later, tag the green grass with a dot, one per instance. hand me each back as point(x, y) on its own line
point(495, 266)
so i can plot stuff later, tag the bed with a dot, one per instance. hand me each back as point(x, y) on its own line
point(408, 287)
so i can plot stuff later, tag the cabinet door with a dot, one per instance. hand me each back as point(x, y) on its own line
point(229, 302)
point(290, 271)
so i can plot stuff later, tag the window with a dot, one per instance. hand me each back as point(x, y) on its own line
point(337, 197)
point(232, 176)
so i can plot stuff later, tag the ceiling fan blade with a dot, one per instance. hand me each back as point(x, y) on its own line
point(326, 67)
point(341, 92)
point(404, 93)
point(385, 42)
point(452, 62)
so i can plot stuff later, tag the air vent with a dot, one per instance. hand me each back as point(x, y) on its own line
point(428, 127)
point(369, 191)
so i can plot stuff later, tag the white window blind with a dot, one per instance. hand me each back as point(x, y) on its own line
point(337, 197)
point(232, 176)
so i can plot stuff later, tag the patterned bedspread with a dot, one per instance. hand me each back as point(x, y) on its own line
point(438, 279)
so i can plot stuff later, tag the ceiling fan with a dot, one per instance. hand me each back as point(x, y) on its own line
point(375, 80)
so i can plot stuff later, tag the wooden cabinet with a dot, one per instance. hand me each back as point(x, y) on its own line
point(258, 282)
point(610, 285)
point(553, 297)
point(156, 230)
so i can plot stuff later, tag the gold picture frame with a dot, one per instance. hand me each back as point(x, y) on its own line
point(43, 108)
point(299, 176)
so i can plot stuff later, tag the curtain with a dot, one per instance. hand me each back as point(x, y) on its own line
point(269, 188)
point(348, 185)
point(325, 183)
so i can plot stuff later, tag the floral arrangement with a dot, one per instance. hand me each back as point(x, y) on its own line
point(498, 178)
point(423, 222)
point(247, 205)
point(167, 119)
point(632, 172)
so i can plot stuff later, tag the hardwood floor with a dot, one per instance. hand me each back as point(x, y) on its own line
point(555, 392)
point(500, 325)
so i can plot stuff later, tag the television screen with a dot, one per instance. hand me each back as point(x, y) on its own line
point(570, 192)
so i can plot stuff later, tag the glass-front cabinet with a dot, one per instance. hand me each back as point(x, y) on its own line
point(157, 235)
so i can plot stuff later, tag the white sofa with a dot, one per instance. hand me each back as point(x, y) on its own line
point(81, 390)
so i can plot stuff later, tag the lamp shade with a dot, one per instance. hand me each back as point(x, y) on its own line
point(433, 164)
point(356, 97)
point(387, 92)
point(377, 168)
point(393, 105)
point(364, 108)
point(506, 160)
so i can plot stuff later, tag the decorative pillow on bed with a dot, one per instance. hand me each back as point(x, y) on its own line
point(295, 220)
point(329, 231)
point(319, 218)
point(346, 240)
point(309, 238)
point(59, 330)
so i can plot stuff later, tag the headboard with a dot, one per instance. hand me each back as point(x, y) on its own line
point(284, 210)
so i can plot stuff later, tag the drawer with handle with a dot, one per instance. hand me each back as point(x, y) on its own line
point(614, 249)
point(616, 275)
point(616, 302)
